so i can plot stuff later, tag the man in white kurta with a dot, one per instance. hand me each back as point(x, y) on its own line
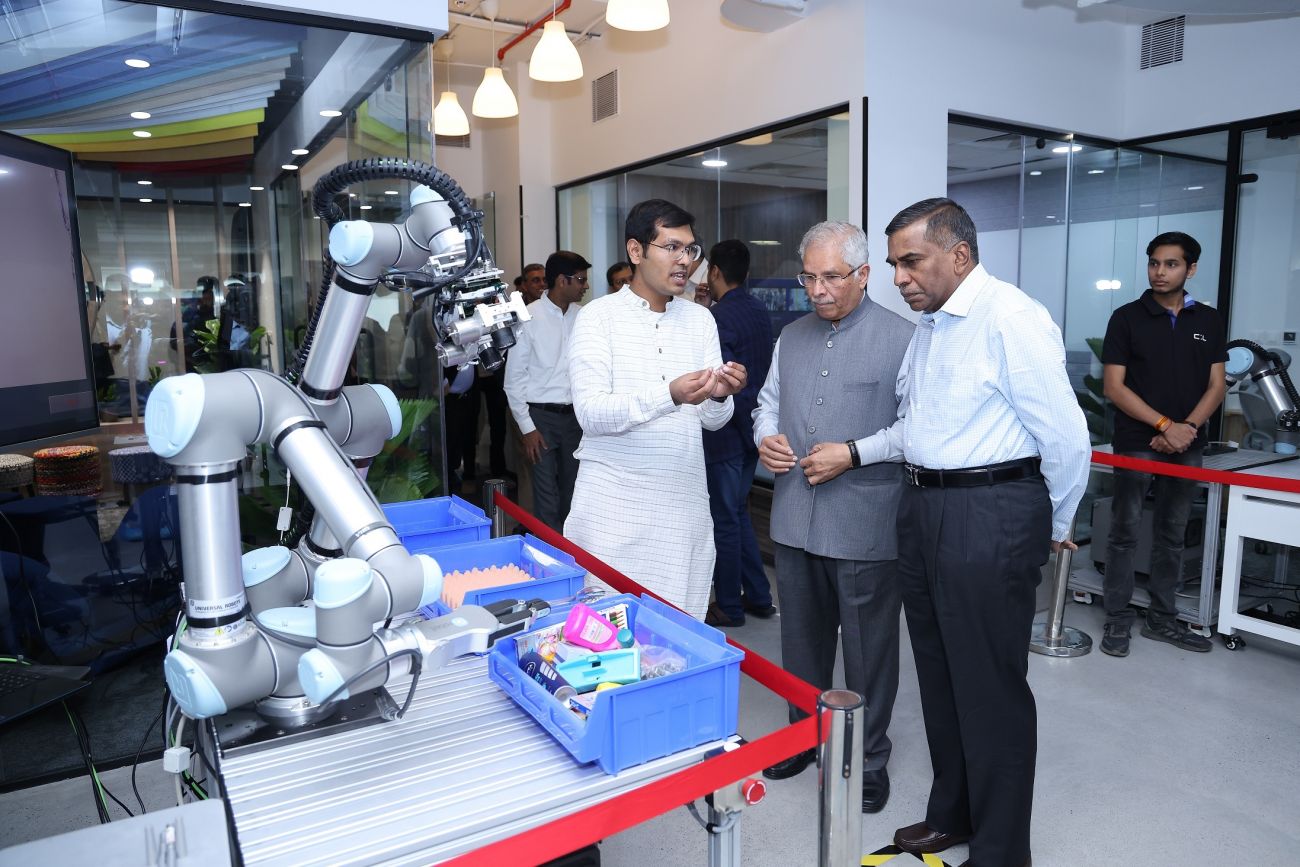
point(647, 374)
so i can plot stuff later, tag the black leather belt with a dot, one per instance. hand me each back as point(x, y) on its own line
point(971, 477)
point(565, 408)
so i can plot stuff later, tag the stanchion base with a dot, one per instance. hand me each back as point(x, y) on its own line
point(1073, 642)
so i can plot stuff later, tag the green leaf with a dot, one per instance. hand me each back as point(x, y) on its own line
point(1095, 344)
point(1095, 385)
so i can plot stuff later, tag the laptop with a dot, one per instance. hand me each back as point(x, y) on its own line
point(28, 688)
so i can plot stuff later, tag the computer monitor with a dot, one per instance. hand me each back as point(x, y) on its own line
point(47, 385)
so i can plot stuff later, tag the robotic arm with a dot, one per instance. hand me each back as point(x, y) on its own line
point(1267, 369)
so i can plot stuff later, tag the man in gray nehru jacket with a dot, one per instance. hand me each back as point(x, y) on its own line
point(833, 521)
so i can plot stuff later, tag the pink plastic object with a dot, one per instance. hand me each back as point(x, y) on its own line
point(585, 628)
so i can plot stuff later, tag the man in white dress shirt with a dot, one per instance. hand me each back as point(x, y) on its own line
point(537, 387)
point(647, 374)
point(997, 458)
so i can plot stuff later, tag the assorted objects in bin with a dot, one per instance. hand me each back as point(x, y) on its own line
point(547, 572)
point(623, 680)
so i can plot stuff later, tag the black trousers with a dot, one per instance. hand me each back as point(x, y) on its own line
point(969, 560)
point(494, 398)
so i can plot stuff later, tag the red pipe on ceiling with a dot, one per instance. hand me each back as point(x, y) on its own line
point(532, 28)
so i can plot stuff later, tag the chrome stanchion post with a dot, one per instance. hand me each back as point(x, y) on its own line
point(1052, 637)
point(840, 778)
point(498, 515)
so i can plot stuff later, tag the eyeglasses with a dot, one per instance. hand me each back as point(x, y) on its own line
point(581, 281)
point(830, 281)
point(675, 250)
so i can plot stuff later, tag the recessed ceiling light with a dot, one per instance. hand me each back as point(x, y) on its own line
point(714, 164)
point(289, 167)
point(136, 63)
point(142, 133)
point(4, 171)
point(766, 243)
point(145, 183)
point(245, 204)
point(1194, 188)
point(300, 152)
point(146, 201)
point(331, 112)
point(140, 115)
point(391, 193)
point(366, 207)
point(1148, 204)
point(1051, 216)
point(1035, 173)
point(257, 189)
point(1096, 171)
point(1066, 149)
point(352, 195)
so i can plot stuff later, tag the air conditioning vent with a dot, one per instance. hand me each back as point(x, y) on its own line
point(1162, 42)
point(604, 96)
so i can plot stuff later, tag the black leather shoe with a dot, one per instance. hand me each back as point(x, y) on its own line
point(875, 790)
point(791, 767)
point(760, 611)
point(921, 839)
point(715, 616)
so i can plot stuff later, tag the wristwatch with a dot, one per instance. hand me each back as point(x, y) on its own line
point(854, 457)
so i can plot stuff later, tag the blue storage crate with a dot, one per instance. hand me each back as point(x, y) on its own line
point(424, 525)
point(556, 577)
point(641, 721)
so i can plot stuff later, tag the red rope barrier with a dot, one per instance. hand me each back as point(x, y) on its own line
point(1220, 477)
point(602, 820)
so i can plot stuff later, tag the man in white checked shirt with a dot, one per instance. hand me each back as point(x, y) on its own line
point(647, 374)
point(997, 456)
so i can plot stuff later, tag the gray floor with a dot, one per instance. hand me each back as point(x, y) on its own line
point(1165, 757)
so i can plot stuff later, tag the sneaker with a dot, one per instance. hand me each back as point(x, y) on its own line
point(1114, 641)
point(1177, 633)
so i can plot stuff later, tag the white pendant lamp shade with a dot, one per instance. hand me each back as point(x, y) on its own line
point(448, 117)
point(494, 98)
point(555, 58)
point(637, 14)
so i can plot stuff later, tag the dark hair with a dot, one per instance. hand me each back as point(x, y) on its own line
point(612, 269)
point(1191, 247)
point(732, 259)
point(563, 262)
point(519, 281)
point(533, 266)
point(947, 224)
point(645, 219)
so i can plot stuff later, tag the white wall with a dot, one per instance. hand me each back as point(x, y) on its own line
point(1268, 254)
point(1229, 71)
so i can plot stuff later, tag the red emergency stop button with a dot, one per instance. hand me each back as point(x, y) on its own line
point(753, 791)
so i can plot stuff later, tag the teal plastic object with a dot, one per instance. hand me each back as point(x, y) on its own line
point(646, 720)
point(556, 577)
point(607, 666)
point(426, 525)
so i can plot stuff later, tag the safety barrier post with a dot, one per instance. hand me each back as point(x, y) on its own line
point(1052, 637)
point(840, 778)
point(491, 488)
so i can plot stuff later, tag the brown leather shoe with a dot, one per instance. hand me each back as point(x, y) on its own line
point(921, 839)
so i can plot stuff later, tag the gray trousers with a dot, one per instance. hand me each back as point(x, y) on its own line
point(556, 471)
point(863, 599)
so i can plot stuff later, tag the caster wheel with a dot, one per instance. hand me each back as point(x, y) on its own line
point(1234, 642)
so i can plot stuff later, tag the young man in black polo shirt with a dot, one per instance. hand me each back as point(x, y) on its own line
point(1163, 364)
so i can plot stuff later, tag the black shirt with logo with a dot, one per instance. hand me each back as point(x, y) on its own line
point(1167, 362)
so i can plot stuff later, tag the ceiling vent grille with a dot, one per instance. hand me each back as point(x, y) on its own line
point(604, 96)
point(1162, 42)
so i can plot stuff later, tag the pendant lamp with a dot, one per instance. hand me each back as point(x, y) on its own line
point(494, 98)
point(555, 58)
point(448, 117)
point(637, 14)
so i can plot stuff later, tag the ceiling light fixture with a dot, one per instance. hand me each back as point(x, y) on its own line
point(714, 163)
point(140, 115)
point(257, 189)
point(494, 98)
point(145, 183)
point(766, 243)
point(1193, 189)
point(554, 58)
point(300, 152)
point(1035, 173)
point(391, 193)
point(245, 204)
point(448, 116)
point(142, 133)
point(1067, 149)
point(145, 201)
point(330, 112)
point(639, 15)
point(366, 207)
point(1096, 171)
point(289, 167)
point(136, 63)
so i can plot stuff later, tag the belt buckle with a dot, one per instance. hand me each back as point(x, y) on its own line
point(913, 475)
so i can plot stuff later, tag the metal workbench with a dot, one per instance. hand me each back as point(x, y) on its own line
point(463, 768)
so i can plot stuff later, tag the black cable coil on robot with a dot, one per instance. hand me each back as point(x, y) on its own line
point(1278, 368)
point(465, 217)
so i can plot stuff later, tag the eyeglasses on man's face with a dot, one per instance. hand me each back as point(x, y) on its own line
point(580, 280)
point(830, 281)
point(693, 252)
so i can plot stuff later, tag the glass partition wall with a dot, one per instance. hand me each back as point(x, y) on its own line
point(197, 138)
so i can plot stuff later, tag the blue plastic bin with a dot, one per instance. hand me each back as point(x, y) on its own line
point(424, 525)
point(556, 577)
point(641, 721)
